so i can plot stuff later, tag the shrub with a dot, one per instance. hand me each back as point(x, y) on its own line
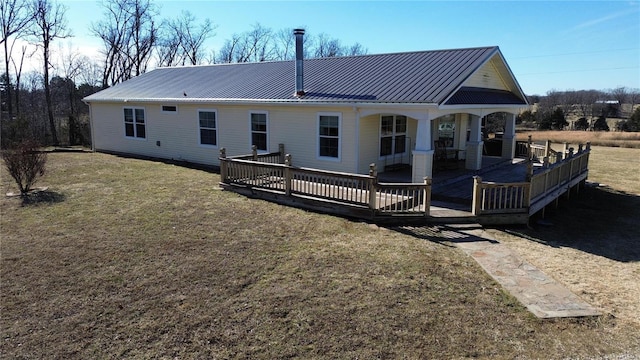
point(601, 124)
point(582, 124)
point(25, 163)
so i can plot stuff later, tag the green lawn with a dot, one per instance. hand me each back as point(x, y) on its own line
point(125, 258)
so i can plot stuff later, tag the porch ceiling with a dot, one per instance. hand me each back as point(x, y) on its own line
point(472, 95)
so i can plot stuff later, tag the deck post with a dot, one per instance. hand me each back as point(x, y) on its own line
point(281, 151)
point(427, 196)
point(579, 148)
point(287, 174)
point(545, 161)
point(547, 148)
point(509, 137)
point(476, 206)
point(588, 145)
point(223, 165)
point(373, 191)
point(254, 152)
point(565, 150)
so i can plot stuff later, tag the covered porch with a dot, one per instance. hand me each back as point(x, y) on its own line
point(452, 187)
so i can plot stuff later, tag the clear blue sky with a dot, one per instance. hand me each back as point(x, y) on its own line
point(559, 45)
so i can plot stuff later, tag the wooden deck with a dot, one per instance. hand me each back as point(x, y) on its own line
point(502, 192)
point(453, 188)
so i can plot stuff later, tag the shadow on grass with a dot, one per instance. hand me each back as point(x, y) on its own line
point(42, 197)
point(444, 234)
point(599, 220)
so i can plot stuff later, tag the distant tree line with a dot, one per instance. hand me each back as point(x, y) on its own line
point(46, 105)
point(588, 108)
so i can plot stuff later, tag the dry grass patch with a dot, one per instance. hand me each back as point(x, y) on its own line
point(140, 259)
point(600, 138)
point(591, 243)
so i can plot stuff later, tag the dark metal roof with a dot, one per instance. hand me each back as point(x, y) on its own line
point(472, 95)
point(412, 77)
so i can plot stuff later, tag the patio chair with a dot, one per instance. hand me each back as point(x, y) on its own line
point(444, 159)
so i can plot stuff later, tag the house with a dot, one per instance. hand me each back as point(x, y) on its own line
point(339, 114)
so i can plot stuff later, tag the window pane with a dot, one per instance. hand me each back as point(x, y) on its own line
point(385, 145)
point(329, 147)
point(140, 115)
point(401, 124)
point(400, 144)
point(386, 125)
point(207, 137)
point(259, 122)
point(207, 119)
point(259, 140)
point(329, 125)
point(128, 129)
point(140, 130)
point(128, 115)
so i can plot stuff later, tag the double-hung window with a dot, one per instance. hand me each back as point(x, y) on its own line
point(329, 135)
point(208, 127)
point(393, 135)
point(134, 123)
point(259, 130)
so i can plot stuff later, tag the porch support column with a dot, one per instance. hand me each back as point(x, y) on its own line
point(423, 153)
point(509, 138)
point(473, 160)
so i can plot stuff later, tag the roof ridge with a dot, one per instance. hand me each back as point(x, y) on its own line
point(328, 58)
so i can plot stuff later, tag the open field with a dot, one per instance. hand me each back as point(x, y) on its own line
point(600, 138)
point(124, 258)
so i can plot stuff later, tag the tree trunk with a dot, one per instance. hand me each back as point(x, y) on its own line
point(8, 80)
point(47, 94)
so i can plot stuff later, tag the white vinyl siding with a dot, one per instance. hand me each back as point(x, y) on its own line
point(259, 126)
point(329, 139)
point(208, 128)
point(134, 123)
point(179, 134)
point(486, 77)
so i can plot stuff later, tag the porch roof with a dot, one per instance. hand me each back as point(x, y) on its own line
point(424, 77)
point(472, 95)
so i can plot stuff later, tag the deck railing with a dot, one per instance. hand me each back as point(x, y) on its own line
point(364, 191)
point(499, 198)
point(545, 185)
point(555, 179)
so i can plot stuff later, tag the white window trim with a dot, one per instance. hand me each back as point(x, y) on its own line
point(251, 130)
point(217, 128)
point(393, 137)
point(146, 122)
point(329, 158)
point(168, 112)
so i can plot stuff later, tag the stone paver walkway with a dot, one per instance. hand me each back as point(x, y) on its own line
point(542, 295)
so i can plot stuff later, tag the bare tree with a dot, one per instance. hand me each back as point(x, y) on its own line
point(263, 44)
point(284, 45)
point(16, 17)
point(129, 35)
point(586, 100)
point(50, 24)
point(193, 40)
point(182, 40)
point(17, 66)
point(71, 64)
point(144, 32)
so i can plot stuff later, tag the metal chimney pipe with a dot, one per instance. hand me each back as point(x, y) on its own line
point(299, 33)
